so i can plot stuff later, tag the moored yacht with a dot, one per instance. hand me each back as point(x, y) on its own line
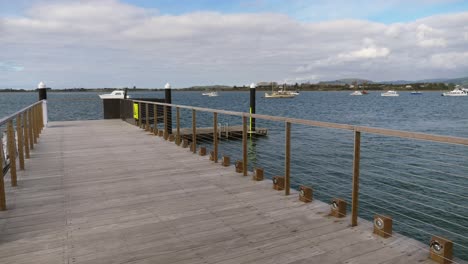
point(390, 93)
point(456, 92)
point(117, 94)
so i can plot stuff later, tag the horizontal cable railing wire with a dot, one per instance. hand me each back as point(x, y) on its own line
point(414, 177)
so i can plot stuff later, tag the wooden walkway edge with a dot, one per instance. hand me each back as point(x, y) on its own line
point(107, 192)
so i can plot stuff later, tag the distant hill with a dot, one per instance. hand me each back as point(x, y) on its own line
point(347, 81)
point(461, 81)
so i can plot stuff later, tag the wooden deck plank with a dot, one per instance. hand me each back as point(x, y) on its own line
point(122, 195)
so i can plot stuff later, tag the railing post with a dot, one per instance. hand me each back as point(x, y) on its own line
point(2, 182)
point(19, 132)
point(287, 159)
point(36, 122)
point(25, 134)
point(140, 114)
point(155, 130)
point(165, 123)
point(12, 152)
point(177, 140)
point(355, 194)
point(41, 119)
point(244, 145)
point(147, 128)
point(194, 131)
point(30, 129)
point(215, 137)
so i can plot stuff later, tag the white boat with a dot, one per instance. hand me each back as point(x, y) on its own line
point(356, 93)
point(117, 94)
point(416, 93)
point(456, 92)
point(211, 94)
point(281, 93)
point(390, 93)
point(294, 92)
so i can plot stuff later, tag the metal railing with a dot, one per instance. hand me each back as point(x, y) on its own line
point(20, 132)
point(418, 179)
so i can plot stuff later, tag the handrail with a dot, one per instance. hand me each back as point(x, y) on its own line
point(370, 130)
point(15, 114)
point(21, 137)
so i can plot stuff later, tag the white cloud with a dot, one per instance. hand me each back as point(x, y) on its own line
point(450, 60)
point(425, 36)
point(370, 52)
point(108, 43)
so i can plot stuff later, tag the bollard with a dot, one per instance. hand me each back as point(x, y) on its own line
point(441, 250)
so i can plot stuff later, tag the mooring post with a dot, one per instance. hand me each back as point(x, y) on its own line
point(355, 194)
point(287, 159)
point(2, 182)
point(177, 141)
point(244, 145)
point(194, 131)
point(215, 137)
point(25, 133)
point(12, 152)
point(42, 88)
point(19, 132)
point(253, 91)
point(168, 100)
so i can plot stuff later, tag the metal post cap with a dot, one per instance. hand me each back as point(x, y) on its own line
point(253, 86)
point(41, 85)
point(167, 86)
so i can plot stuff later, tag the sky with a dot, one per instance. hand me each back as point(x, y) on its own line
point(146, 43)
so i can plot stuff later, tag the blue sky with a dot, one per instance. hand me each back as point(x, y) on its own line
point(390, 11)
point(118, 43)
point(318, 10)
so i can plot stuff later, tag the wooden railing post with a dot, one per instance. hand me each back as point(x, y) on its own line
point(244, 145)
point(287, 159)
point(12, 152)
point(41, 118)
point(355, 194)
point(140, 115)
point(2, 182)
point(30, 129)
point(147, 125)
point(177, 140)
point(215, 137)
point(25, 134)
point(33, 125)
point(166, 132)
point(155, 123)
point(19, 132)
point(194, 131)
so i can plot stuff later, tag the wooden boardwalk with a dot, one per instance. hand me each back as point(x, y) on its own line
point(106, 192)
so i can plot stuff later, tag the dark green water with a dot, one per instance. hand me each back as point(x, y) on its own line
point(422, 185)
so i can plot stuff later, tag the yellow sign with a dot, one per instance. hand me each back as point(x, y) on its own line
point(135, 110)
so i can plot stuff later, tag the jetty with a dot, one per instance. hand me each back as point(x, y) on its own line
point(125, 195)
